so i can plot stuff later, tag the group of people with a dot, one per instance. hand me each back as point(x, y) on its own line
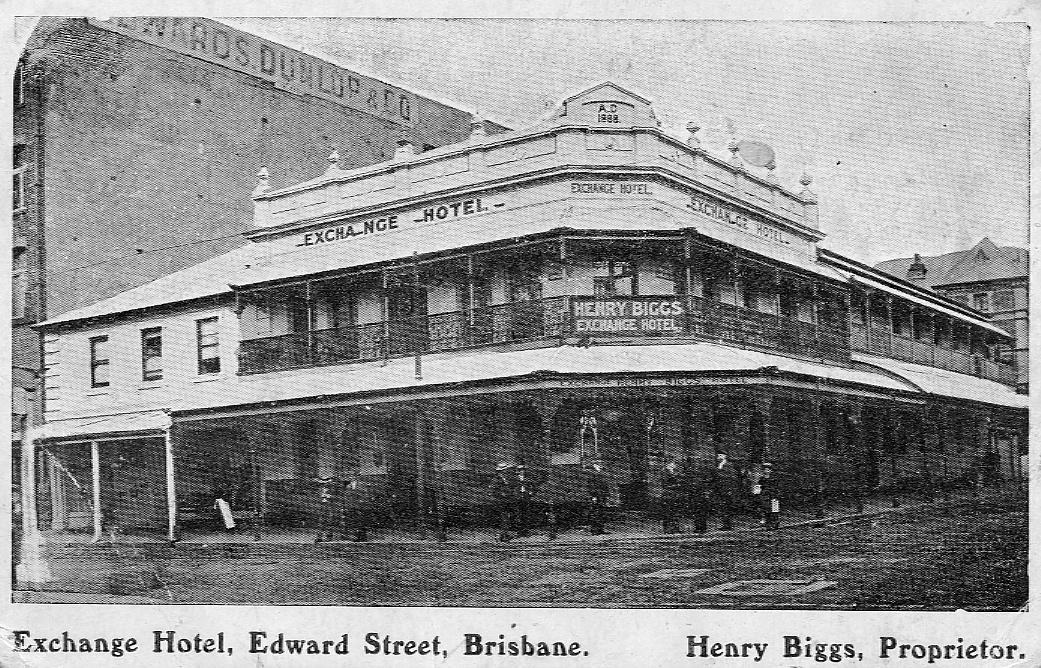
point(696, 493)
point(347, 508)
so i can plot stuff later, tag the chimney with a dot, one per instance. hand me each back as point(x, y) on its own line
point(917, 270)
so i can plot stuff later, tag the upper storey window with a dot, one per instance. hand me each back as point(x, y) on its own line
point(981, 301)
point(19, 184)
point(615, 278)
point(152, 353)
point(99, 366)
point(207, 339)
point(19, 282)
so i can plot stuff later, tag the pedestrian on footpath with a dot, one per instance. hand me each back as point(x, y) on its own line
point(328, 510)
point(725, 486)
point(526, 484)
point(699, 490)
point(503, 498)
point(598, 490)
point(357, 507)
point(674, 493)
point(770, 497)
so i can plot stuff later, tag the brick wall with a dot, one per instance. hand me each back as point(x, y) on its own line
point(151, 155)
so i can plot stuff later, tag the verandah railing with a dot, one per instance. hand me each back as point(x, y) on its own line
point(529, 321)
point(556, 316)
point(886, 344)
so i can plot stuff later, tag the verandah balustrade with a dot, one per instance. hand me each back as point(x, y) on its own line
point(528, 321)
point(701, 319)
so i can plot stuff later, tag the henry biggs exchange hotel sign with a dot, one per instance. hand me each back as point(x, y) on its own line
point(288, 69)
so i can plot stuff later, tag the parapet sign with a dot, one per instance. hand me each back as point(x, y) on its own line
point(608, 112)
point(288, 69)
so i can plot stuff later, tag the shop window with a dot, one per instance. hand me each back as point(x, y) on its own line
point(152, 353)
point(20, 179)
point(99, 372)
point(19, 283)
point(207, 339)
point(981, 301)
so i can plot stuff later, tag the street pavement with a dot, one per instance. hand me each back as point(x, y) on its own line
point(969, 554)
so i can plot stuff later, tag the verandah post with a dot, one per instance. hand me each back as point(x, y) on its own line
point(171, 491)
point(95, 472)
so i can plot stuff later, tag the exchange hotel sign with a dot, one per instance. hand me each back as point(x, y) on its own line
point(288, 69)
point(628, 314)
point(743, 222)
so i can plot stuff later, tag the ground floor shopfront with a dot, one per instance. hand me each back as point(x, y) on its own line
point(435, 455)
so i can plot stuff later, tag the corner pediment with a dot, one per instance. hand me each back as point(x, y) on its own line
point(608, 105)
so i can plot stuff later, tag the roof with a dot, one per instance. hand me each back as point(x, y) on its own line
point(146, 422)
point(255, 264)
point(899, 287)
point(206, 279)
point(983, 262)
point(979, 322)
point(558, 361)
point(949, 383)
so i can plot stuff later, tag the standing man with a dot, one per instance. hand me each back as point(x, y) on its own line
point(725, 486)
point(700, 489)
point(357, 507)
point(673, 496)
point(502, 490)
point(328, 510)
point(770, 497)
point(598, 490)
point(525, 496)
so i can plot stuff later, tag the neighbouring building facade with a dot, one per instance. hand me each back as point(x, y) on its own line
point(991, 279)
point(136, 144)
point(589, 288)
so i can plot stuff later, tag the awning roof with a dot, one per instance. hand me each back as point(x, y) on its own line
point(144, 423)
point(448, 368)
point(950, 383)
point(926, 303)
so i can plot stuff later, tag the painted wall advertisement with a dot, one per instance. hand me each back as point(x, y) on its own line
point(639, 315)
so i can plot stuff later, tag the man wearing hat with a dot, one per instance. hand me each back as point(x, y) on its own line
point(770, 497)
point(673, 497)
point(503, 488)
point(357, 507)
point(328, 510)
point(598, 491)
point(725, 485)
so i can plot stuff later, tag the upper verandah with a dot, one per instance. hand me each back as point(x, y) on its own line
point(602, 126)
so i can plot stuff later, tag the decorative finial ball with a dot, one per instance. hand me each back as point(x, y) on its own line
point(805, 179)
point(334, 157)
point(263, 174)
point(693, 127)
point(733, 146)
point(771, 166)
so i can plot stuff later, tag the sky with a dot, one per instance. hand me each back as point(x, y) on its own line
point(915, 135)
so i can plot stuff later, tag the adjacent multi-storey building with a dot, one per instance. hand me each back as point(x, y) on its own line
point(587, 289)
point(137, 141)
point(991, 279)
